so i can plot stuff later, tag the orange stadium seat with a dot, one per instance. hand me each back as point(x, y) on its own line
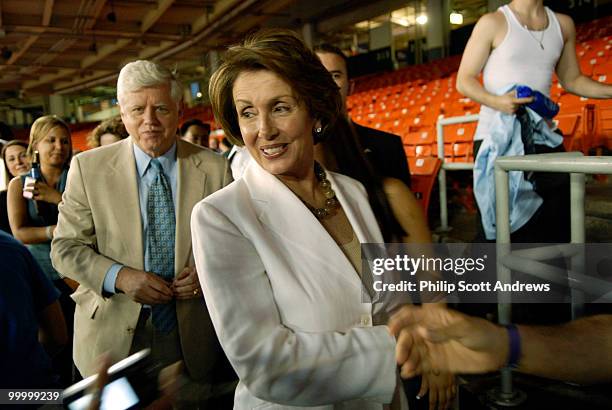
point(462, 152)
point(423, 174)
point(603, 132)
point(459, 132)
point(568, 124)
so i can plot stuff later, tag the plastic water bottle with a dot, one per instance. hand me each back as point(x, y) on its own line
point(541, 104)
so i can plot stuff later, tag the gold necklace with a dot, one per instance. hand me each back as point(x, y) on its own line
point(331, 202)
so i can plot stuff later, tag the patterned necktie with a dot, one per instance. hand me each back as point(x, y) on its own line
point(160, 235)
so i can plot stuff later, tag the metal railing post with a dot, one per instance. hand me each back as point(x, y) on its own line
point(455, 166)
point(442, 178)
point(504, 307)
point(578, 262)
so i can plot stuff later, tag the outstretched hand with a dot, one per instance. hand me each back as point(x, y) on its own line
point(439, 339)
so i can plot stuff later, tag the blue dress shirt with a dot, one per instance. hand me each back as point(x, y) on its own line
point(145, 179)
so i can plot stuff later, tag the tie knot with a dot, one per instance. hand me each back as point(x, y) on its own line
point(156, 165)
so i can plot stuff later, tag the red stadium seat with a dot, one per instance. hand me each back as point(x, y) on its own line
point(603, 132)
point(423, 174)
point(568, 124)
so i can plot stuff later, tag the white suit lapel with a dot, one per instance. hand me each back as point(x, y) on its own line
point(282, 212)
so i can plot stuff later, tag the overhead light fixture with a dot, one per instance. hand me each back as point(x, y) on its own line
point(199, 95)
point(6, 53)
point(112, 17)
point(422, 19)
point(456, 18)
point(400, 21)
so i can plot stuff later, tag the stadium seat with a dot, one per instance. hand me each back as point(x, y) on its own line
point(568, 124)
point(603, 131)
point(423, 175)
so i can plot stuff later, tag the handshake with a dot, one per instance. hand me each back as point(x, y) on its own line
point(435, 339)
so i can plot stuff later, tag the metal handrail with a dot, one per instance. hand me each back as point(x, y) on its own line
point(455, 166)
point(570, 162)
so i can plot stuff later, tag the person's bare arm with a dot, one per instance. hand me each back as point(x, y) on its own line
point(486, 35)
point(446, 340)
point(578, 351)
point(412, 219)
point(407, 211)
point(18, 216)
point(52, 333)
point(568, 69)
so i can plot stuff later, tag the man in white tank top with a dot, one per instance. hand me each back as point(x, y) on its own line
point(531, 30)
point(524, 43)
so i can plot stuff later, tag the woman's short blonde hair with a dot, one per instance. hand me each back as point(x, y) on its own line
point(41, 127)
point(283, 53)
point(110, 126)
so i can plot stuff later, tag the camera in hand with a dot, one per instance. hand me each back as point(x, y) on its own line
point(132, 384)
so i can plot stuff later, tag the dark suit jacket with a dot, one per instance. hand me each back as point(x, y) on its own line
point(385, 151)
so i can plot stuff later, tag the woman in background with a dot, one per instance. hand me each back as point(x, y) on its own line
point(33, 220)
point(107, 132)
point(15, 164)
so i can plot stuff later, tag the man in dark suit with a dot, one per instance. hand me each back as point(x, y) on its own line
point(385, 151)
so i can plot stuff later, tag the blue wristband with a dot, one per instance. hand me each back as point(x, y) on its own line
point(515, 346)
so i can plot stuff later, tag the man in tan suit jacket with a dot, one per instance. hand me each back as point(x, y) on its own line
point(101, 236)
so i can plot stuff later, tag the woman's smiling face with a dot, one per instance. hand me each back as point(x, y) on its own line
point(274, 123)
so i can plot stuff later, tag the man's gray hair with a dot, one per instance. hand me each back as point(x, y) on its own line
point(143, 73)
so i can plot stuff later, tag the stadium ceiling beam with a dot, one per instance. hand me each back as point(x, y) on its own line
point(154, 14)
point(66, 32)
point(222, 11)
point(148, 21)
point(46, 19)
point(103, 53)
point(89, 61)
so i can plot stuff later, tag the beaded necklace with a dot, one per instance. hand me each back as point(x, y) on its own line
point(331, 202)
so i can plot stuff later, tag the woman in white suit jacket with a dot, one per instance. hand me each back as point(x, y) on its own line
point(278, 251)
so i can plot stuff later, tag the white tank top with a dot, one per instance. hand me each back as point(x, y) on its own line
point(520, 59)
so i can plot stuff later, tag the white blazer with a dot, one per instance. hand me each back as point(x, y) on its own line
point(285, 301)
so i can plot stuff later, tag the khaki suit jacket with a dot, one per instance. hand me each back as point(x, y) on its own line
point(100, 224)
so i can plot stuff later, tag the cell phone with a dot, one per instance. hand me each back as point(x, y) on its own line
point(28, 181)
point(132, 383)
